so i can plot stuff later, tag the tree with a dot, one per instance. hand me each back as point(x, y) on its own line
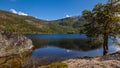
point(103, 21)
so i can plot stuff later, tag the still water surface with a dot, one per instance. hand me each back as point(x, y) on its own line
point(50, 47)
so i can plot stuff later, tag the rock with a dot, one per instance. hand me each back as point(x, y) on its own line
point(108, 61)
point(13, 43)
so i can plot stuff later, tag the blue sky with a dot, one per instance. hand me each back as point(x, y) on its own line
point(49, 9)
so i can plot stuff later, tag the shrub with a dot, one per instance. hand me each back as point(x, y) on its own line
point(55, 65)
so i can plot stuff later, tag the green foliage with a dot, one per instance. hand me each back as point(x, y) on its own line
point(21, 24)
point(55, 65)
point(56, 28)
point(76, 23)
point(30, 25)
point(102, 19)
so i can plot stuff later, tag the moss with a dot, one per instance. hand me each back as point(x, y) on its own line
point(15, 63)
point(12, 63)
point(55, 65)
point(8, 48)
point(2, 60)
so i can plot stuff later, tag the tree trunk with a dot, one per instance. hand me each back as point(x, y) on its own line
point(105, 44)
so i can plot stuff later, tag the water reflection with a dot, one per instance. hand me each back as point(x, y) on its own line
point(55, 47)
point(71, 44)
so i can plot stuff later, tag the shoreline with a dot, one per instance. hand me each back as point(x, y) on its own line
point(111, 60)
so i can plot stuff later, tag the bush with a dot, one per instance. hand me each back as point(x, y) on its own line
point(55, 65)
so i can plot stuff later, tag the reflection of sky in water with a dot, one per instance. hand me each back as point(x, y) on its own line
point(56, 52)
point(59, 52)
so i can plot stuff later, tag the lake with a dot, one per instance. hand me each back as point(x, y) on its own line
point(54, 47)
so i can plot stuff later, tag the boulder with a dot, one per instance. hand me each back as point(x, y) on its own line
point(13, 43)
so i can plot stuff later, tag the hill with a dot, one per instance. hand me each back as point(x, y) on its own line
point(29, 25)
point(75, 22)
point(22, 24)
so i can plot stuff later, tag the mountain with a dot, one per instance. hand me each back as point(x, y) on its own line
point(75, 22)
point(22, 24)
point(29, 25)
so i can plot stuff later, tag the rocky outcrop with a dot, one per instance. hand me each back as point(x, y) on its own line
point(108, 61)
point(13, 43)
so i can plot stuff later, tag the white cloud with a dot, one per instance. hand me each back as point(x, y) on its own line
point(36, 17)
point(22, 13)
point(18, 12)
point(13, 11)
point(67, 16)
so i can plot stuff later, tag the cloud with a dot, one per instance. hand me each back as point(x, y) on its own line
point(67, 15)
point(18, 12)
point(13, 11)
point(22, 13)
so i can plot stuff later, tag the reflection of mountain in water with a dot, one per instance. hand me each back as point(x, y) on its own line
point(72, 44)
point(56, 47)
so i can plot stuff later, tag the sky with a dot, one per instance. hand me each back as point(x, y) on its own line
point(48, 9)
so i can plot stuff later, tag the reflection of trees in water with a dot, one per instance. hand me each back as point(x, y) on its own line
point(73, 44)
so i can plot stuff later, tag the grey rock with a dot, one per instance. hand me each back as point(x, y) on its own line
point(13, 43)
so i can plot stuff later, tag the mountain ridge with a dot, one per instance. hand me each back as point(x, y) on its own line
point(31, 25)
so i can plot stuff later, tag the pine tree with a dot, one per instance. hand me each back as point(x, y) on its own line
point(103, 21)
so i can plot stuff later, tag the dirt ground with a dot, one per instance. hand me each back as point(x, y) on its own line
point(108, 61)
